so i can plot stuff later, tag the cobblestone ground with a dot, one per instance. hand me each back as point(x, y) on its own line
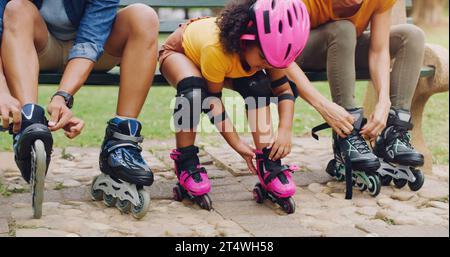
point(321, 208)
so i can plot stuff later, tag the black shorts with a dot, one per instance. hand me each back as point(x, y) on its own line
point(257, 89)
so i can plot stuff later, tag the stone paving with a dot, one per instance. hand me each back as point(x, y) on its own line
point(321, 207)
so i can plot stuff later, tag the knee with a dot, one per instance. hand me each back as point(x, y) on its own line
point(413, 37)
point(14, 18)
point(143, 21)
point(191, 93)
point(342, 34)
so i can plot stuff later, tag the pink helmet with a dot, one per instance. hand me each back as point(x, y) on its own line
point(282, 27)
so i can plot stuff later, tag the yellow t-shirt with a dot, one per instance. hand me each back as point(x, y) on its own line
point(201, 44)
point(321, 12)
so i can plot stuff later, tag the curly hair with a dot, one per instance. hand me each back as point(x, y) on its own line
point(232, 22)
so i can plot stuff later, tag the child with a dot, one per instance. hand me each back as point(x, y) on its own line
point(245, 49)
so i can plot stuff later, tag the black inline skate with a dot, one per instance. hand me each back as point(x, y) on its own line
point(33, 147)
point(353, 160)
point(124, 171)
point(399, 160)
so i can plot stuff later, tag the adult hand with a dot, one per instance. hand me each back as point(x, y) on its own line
point(73, 128)
point(338, 118)
point(10, 108)
point(377, 121)
point(60, 114)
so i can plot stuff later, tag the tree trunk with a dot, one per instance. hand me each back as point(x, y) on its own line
point(427, 12)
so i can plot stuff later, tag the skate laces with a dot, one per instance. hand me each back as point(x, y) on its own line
point(358, 142)
point(403, 136)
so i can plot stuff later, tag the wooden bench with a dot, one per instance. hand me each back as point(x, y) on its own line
point(433, 64)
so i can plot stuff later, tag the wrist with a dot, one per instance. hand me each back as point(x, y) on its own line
point(66, 97)
point(385, 102)
point(285, 129)
point(58, 99)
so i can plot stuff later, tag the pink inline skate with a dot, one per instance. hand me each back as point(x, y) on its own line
point(193, 182)
point(276, 182)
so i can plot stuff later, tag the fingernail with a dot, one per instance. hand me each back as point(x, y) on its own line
point(51, 123)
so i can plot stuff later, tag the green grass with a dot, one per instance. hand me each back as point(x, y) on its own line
point(96, 105)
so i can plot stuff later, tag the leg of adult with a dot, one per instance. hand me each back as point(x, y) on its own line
point(332, 47)
point(407, 46)
point(134, 38)
point(25, 35)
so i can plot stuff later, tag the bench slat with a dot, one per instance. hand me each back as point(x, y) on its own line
point(177, 3)
point(166, 26)
point(113, 78)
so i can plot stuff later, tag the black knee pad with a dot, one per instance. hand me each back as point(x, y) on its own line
point(191, 92)
point(256, 90)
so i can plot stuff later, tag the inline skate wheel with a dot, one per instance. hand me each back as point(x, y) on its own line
point(258, 194)
point(288, 205)
point(400, 183)
point(361, 186)
point(177, 194)
point(38, 168)
point(385, 180)
point(375, 185)
point(96, 195)
point(140, 211)
point(331, 168)
point(420, 180)
point(205, 202)
point(109, 200)
point(123, 206)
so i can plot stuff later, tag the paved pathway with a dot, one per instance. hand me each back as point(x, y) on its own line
point(321, 208)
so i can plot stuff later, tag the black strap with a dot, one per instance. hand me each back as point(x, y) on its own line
point(279, 82)
point(319, 128)
point(348, 179)
point(403, 124)
point(286, 97)
point(275, 173)
point(188, 154)
point(194, 172)
point(120, 144)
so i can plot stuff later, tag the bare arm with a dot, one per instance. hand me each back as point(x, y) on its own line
point(336, 116)
point(75, 75)
point(227, 129)
point(379, 66)
point(9, 106)
point(282, 144)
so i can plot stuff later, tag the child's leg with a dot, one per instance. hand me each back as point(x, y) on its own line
point(175, 75)
point(260, 123)
point(193, 179)
point(24, 35)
